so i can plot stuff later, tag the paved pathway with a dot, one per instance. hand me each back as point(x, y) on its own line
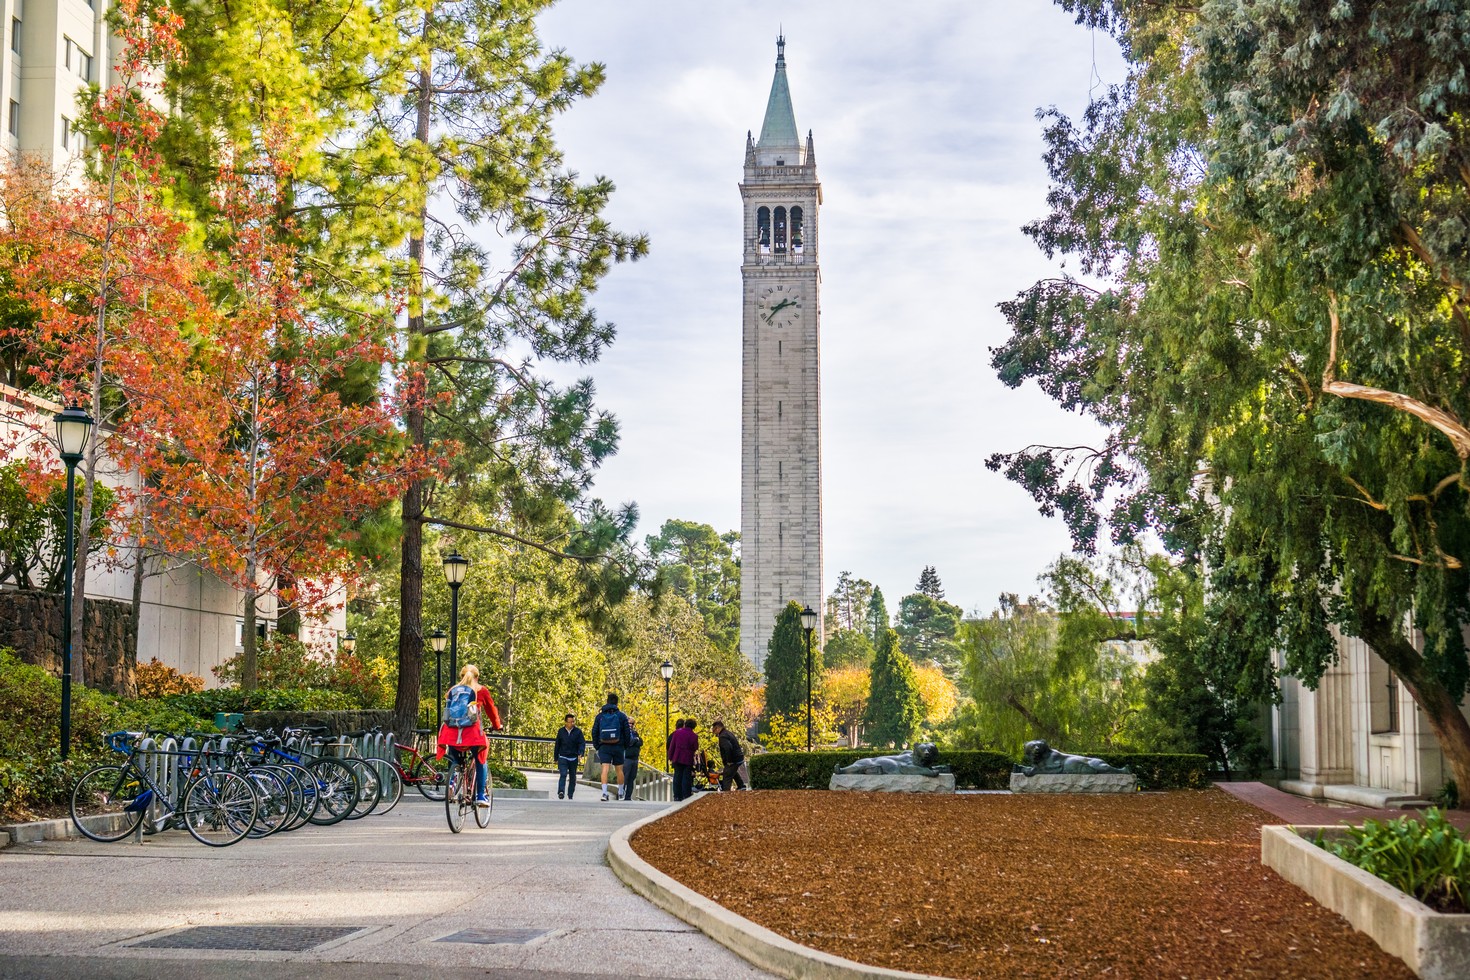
point(1298, 810)
point(77, 908)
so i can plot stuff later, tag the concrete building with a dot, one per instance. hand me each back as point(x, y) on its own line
point(1358, 738)
point(53, 50)
point(781, 443)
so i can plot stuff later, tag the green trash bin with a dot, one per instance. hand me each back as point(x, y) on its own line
point(227, 721)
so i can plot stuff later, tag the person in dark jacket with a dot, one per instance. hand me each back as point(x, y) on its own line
point(630, 767)
point(570, 745)
point(683, 744)
point(610, 739)
point(732, 755)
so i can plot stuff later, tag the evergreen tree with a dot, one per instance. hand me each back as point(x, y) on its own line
point(848, 648)
point(786, 679)
point(877, 619)
point(895, 708)
point(700, 564)
point(848, 604)
point(927, 627)
point(929, 584)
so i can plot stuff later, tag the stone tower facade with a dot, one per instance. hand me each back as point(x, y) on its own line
point(781, 442)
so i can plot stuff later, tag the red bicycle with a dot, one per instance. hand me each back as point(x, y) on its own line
point(429, 774)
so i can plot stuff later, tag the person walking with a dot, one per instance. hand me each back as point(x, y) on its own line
point(669, 745)
point(683, 745)
point(630, 766)
point(610, 739)
point(732, 757)
point(468, 711)
point(570, 746)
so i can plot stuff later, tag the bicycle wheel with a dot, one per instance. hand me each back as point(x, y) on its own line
point(482, 813)
point(220, 808)
point(273, 801)
point(391, 781)
point(336, 791)
point(430, 776)
point(306, 791)
point(369, 788)
point(117, 791)
point(453, 797)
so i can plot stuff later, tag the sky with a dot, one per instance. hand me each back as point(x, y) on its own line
point(929, 154)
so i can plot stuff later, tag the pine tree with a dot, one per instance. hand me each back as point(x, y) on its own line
point(877, 618)
point(894, 706)
point(786, 664)
point(929, 584)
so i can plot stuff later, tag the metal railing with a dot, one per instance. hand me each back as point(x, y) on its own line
point(650, 783)
point(524, 752)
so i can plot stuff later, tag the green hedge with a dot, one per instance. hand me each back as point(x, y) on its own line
point(973, 769)
point(813, 770)
point(1161, 770)
point(204, 704)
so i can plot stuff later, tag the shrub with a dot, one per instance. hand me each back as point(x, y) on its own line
point(204, 704)
point(1428, 859)
point(285, 662)
point(157, 679)
point(813, 770)
point(1161, 770)
point(503, 775)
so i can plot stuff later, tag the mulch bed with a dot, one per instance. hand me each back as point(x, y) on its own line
point(1139, 885)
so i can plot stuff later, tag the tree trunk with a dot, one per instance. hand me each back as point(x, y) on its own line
point(250, 654)
point(288, 614)
point(508, 652)
point(135, 610)
point(411, 561)
point(1440, 708)
point(79, 556)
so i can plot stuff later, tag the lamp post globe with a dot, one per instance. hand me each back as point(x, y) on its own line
point(666, 669)
point(349, 643)
point(808, 623)
point(437, 640)
point(455, 567)
point(73, 428)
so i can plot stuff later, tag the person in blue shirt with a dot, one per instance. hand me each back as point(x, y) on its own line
point(570, 744)
point(610, 735)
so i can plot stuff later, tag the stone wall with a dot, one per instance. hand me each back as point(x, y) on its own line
point(30, 624)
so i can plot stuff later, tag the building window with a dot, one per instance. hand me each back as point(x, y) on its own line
point(69, 44)
point(65, 133)
point(778, 348)
point(1383, 698)
point(780, 216)
point(84, 67)
point(796, 229)
point(778, 410)
point(763, 230)
point(15, 34)
point(14, 118)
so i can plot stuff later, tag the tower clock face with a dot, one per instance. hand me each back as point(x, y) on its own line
point(779, 305)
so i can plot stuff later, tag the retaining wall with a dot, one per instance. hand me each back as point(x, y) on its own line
point(31, 623)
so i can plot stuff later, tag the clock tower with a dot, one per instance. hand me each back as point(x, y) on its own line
point(781, 438)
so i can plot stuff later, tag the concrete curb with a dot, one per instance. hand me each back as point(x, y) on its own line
point(1434, 945)
point(756, 943)
point(59, 829)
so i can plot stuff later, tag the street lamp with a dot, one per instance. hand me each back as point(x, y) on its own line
point(437, 639)
point(349, 643)
point(667, 670)
point(73, 426)
point(455, 567)
point(808, 623)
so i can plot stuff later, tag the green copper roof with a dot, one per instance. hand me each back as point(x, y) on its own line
point(779, 129)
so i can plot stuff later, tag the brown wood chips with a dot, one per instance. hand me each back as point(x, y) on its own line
point(1139, 885)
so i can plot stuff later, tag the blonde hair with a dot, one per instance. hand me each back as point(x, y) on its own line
point(469, 674)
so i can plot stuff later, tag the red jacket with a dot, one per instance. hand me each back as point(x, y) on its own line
point(475, 734)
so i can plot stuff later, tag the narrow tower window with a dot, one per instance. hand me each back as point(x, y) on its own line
point(14, 118)
point(778, 410)
point(780, 230)
point(778, 343)
point(796, 229)
point(763, 230)
point(15, 34)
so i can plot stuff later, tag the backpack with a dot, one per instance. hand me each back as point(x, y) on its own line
point(459, 708)
point(610, 728)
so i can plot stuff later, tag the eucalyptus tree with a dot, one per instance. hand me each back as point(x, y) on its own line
point(1275, 328)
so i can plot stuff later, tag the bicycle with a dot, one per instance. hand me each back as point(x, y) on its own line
point(382, 771)
point(459, 794)
point(425, 773)
point(337, 789)
point(217, 807)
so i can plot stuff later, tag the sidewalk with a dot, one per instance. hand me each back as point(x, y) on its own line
point(1303, 812)
point(400, 889)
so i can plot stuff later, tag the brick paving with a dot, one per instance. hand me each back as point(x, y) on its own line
point(1300, 811)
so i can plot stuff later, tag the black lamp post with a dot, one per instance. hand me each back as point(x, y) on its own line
point(455, 567)
point(667, 670)
point(349, 642)
point(437, 639)
point(808, 623)
point(73, 427)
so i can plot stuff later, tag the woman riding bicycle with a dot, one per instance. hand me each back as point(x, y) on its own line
point(467, 713)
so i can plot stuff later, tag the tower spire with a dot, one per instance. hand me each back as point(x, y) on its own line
point(778, 131)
